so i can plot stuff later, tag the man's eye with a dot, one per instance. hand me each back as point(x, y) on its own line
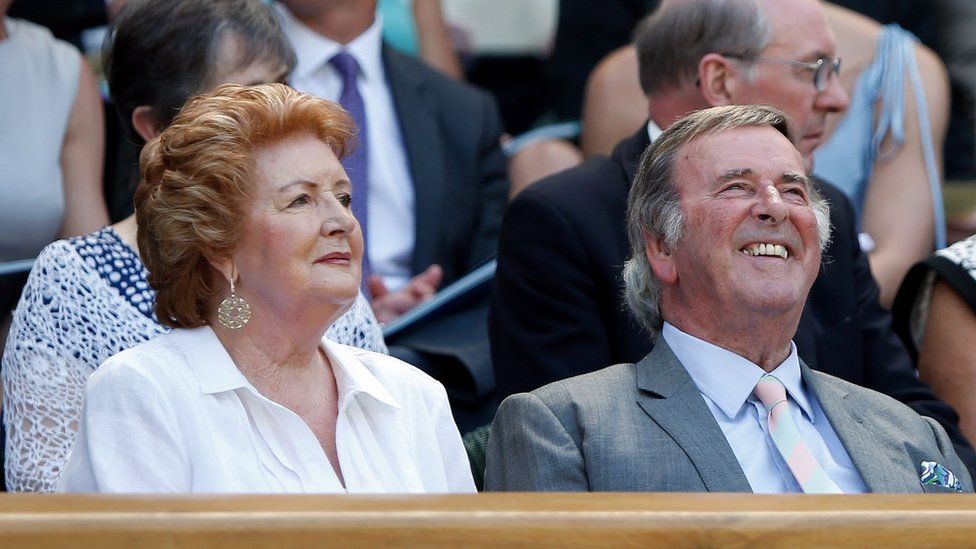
point(301, 200)
point(734, 187)
point(345, 199)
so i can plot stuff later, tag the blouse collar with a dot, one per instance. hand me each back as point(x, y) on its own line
point(217, 373)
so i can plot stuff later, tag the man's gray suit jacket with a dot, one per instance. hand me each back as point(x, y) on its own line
point(646, 427)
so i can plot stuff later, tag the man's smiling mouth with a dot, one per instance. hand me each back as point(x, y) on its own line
point(763, 249)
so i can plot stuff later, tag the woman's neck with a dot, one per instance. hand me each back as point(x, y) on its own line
point(266, 352)
point(127, 231)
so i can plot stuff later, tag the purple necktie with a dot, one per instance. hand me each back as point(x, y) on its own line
point(357, 163)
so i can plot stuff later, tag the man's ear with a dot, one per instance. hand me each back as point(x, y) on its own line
point(717, 78)
point(145, 121)
point(660, 258)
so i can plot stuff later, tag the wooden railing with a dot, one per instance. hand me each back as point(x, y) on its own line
point(495, 520)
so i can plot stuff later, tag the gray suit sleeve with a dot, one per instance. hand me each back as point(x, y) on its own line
point(530, 450)
point(953, 463)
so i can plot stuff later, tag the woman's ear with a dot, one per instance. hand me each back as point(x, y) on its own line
point(659, 256)
point(717, 79)
point(145, 122)
point(225, 266)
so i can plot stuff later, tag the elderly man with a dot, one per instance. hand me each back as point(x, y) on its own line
point(556, 308)
point(725, 235)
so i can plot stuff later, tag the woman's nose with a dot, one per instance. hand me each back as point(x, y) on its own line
point(337, 218)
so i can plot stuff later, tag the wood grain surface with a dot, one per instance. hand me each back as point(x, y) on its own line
point(488, 520)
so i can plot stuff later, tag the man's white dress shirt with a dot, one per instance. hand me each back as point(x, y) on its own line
point(726, 381)
point(391, 225)
point(174, 414)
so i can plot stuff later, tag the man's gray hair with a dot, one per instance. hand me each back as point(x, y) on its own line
point(672, 40)
point(654, 205)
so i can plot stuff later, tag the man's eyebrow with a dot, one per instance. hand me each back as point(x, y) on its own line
point(791, 177)
point(738, 173)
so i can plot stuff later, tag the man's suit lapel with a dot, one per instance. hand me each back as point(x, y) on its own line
point(417, 115)
point(881, 471)
point(669, 396)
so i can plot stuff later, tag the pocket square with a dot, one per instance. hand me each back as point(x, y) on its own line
point(934, 473)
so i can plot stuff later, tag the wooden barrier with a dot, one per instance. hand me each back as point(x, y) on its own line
point(487, 520)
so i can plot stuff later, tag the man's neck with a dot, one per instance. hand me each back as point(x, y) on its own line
point(340, 21)
point(668, 106)
point(763, 341)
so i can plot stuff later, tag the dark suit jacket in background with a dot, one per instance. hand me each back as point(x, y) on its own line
point(451, 137)
point(646, 427)
point(557, 310)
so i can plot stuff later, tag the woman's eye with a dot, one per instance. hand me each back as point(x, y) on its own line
point(301, 200)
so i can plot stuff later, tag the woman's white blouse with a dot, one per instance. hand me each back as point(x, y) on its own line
point(174, 414)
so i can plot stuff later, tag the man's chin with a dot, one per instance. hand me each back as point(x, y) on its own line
point(777, 301)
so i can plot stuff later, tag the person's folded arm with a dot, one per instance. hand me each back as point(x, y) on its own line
point(946, 359)
point(82, 156)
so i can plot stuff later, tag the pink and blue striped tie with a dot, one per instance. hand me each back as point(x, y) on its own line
point(807, 472)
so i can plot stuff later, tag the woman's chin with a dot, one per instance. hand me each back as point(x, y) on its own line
point(342, 293)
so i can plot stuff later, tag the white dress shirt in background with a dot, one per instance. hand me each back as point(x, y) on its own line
point(726, 381)
point(391, 226)
point(174, 414)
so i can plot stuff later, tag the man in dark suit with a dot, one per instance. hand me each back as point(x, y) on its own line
point(725, 234)
point(556, 310)
point(436, 173)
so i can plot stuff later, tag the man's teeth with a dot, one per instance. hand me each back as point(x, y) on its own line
point(766, 249)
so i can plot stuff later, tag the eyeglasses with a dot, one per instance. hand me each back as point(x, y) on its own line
point(822, 68)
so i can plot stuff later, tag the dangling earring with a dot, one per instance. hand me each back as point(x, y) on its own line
point(234, 311)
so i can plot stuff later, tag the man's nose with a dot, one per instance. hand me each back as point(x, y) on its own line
point(769, 206)
point(834, 98)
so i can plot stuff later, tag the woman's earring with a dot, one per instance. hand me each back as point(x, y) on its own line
point(234, 311)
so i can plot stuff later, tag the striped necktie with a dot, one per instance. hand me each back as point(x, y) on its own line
point(807, 472)
point(356, 163)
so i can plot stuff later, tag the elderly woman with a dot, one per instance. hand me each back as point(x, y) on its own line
point(246, 227)
point(88, 298)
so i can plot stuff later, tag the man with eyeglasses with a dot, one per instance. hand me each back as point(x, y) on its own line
point(822, 69)
point(556, 309)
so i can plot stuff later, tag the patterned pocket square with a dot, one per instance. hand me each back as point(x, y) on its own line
point(934, 473)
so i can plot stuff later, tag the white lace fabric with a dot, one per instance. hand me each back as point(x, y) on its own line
point(69, 320)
